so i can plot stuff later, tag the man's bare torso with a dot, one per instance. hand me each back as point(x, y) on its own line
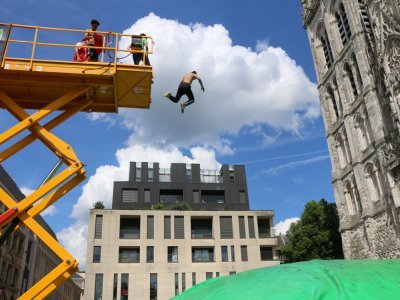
point(189, 77)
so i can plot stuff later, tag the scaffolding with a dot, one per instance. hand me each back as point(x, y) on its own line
point(38, 79)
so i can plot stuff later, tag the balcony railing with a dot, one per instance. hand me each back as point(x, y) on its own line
point(202, 235)
point(265, 234)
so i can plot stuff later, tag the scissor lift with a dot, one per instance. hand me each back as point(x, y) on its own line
point(63, 88)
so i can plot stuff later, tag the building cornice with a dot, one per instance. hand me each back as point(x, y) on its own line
point(310, 7)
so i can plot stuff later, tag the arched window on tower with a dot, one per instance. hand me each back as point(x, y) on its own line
point(364, 14)
point(362, 132)
point(343, 24)
point(356, 70)
point(352, 82)
point(341, 150)
point(379, 177)
point(326, 46)
point(375, 180)
point(356, 194)
point(350, 199)
point(333, 103)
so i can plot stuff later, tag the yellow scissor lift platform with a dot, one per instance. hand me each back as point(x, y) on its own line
point(31, 81)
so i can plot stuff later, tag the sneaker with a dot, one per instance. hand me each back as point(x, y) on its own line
point(167, 94)
point(182, 107)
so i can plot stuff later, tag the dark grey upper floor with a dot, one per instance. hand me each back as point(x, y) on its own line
point(224, 189)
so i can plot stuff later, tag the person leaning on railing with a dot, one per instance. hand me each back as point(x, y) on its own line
point(139, 43)
point(91, 38)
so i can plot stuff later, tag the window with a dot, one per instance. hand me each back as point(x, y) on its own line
point(96, 254)
point(231, 173)
point(364, 14)
point(129, 255)
point(264, 230)
point(129, 227)
point(209, 275)
point(210, 176)
point(333, 104)
point(200, 254)
point(243, 251)
point(350, 77)
point(224, 253)
point(150, 254)
point(193, 279)
point(150, 227)
point(188, 173)
point(124, 286)
point(164, 175)
point(176, 284)
point(356, 69)
point(173, 254)
point(252, 233)
point(115, 286)
point(233, 253)
point(153, 286)
point(150, 172)
point(232, 273)
point(343, 24)
point(147, 195)
point(98, 227)
point(171, 196)
point(242, 229)
point(179, 227)
point(216, 274)
point(98, 287)
point(217, 197)
point(326, 46)
point(138, 171)
point(129, 195)
point(167, 227)
point(183, 282)
point(226, 231)
point(266, 253)
point(201, 227)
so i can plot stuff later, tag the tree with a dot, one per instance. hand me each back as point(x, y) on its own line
point(98, 205)
point(316, 235)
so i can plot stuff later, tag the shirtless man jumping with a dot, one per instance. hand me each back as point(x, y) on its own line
point(185, 89)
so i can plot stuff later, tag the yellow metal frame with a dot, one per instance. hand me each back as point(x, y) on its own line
point(69, 87)
point(47, 194)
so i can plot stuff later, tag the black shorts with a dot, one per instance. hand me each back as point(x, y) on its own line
point(185, 89)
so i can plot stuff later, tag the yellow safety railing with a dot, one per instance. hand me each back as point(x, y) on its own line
point(111, 41)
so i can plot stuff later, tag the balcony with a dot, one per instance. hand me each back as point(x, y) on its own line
point(203, 254)
point(129, 227)
point(129, 255)
point(201, 228)
point(210, 176)
point(264, 229)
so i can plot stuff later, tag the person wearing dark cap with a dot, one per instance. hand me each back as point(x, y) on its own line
point(93, 39)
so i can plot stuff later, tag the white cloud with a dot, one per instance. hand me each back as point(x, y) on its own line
point(243, 87)
point(26, 191)
point(283, 226)
point(50, 211)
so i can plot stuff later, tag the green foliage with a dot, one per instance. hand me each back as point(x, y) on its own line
point(179, 206)
point(316, 235)
point(98, 205)
point(158, 206)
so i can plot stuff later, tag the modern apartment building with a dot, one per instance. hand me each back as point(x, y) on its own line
point(25, 259)
point(355, 46)
point(145, 249)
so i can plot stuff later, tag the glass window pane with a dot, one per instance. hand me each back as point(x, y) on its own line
point(124, 286)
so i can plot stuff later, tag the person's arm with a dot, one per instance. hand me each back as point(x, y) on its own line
point(201, 82)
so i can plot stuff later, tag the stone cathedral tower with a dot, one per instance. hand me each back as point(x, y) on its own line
point(356, 49)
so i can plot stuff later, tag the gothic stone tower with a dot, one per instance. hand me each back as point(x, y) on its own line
point(356, 50)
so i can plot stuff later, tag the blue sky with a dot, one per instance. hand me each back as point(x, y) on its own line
point(274, 128)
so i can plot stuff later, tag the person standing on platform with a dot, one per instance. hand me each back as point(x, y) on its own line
point(93, 39)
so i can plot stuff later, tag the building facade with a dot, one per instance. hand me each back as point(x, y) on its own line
point(25, 259)
point(355, 47)
point(144, 249)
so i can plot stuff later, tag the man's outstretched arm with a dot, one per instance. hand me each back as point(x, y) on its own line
point(201, 83)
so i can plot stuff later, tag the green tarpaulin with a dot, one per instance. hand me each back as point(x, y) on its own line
point(317, 279)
